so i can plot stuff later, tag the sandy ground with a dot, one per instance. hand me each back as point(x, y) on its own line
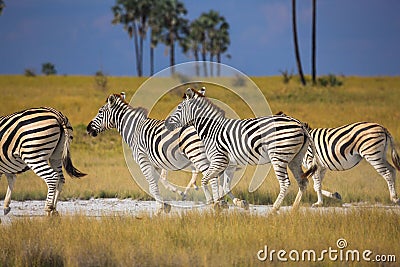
point(136, 208)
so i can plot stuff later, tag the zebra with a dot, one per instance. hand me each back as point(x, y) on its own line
point(342, 148)
point(153, 147)
point(167, 185)
point(36, 139)
point(282, 141)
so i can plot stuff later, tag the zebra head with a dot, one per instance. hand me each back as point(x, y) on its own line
point(183, 114)
point(104, 119)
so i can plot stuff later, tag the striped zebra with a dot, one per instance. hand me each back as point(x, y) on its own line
point(154, 148)
point(36, 139)
point(282, 141)
point(342, 148)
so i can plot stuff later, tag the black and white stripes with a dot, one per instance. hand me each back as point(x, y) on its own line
point(154, 148)
point(342, 148)
point(36, 139)
point(281, 140)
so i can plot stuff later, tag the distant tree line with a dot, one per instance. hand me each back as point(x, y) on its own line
point(48, 68)
point(163, 21)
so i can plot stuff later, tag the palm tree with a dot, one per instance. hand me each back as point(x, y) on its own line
point(219, 40)
point(174, 25)
point(314, 41)
point(209, 34)
point(192, 42)
point(154, 40)
point(134, 14)
point(2, 6)
point(155, 31)
point(218, 35)
point(296, 45)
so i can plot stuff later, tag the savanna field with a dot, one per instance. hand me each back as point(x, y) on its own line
point(192, 238)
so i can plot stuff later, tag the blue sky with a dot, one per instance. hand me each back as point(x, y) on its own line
point(354, 37)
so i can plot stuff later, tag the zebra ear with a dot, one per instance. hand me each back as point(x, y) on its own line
point(189, 93)
point(123, 95)
point(111, 100)
point(202, 91)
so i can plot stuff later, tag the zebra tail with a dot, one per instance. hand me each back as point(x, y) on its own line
point(66, 156)
point(314, 164)
point(395, 155)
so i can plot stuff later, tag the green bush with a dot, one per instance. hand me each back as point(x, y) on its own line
point(329, 80)
point(29, 73)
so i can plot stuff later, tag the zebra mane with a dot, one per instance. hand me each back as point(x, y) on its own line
point(194, 91)
point(307, 126)
point(214, 106)
point(208, 102)
point(140, 110)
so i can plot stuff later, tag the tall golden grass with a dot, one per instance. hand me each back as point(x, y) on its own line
point(192, 238)
point(197, 239)
point(359, 99)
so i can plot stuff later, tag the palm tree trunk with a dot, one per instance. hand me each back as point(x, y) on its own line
point(196, 58)
point(211, 64)
point(136, 43)
point(141, 56)
point(219, 62)
point(151, 60)
point(314, 41)
point(296, 45)
point(203, 55)
point(172, 52)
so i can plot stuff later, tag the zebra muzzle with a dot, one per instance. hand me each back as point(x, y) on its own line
point(89, 129)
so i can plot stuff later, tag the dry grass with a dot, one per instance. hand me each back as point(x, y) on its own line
point(372, 99)
point(192, 239)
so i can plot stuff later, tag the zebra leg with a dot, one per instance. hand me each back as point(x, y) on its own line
point(191, 183)
point(388, 172)
point(212, 177)
point(335, 195)
point(152, 177)
point(56, 164)
point(7, 200)
point(206, 190)
point(228, 177)
point(385, 169)
point(317, 177)
point(168, 185)
point(295, 167)
point(280, 169)
point(42, 169)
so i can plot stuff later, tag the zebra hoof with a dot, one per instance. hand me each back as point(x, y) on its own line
point(316, 205)
point(7, 210)
point(220, 205)
point(52, 213)
point(337, 196)
point(241, 203)
point(396, 201)
point(166, 208)
point(244, 204)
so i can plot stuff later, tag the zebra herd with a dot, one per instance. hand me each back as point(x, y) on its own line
point(197, 135)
